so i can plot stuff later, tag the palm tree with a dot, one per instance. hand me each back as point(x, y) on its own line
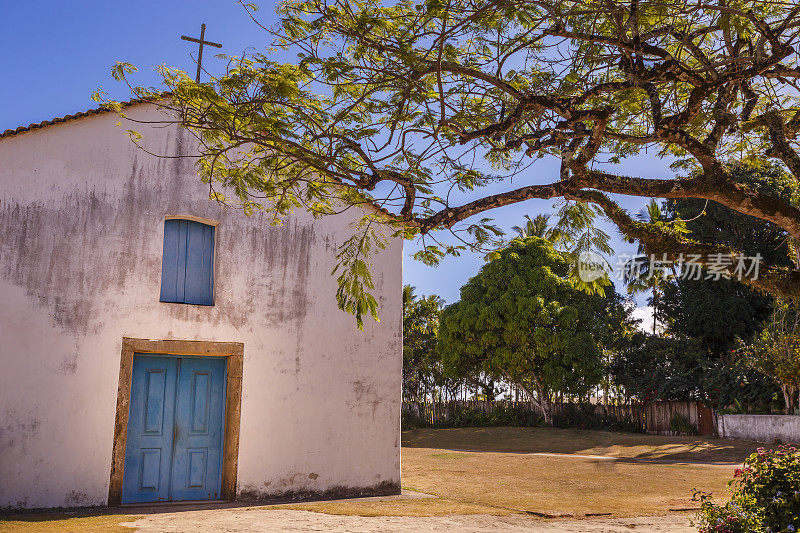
point(573, 234)
point(641, 274)
point(538, 226)
point(409, 295)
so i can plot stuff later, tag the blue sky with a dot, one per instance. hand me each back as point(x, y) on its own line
point(56, 53)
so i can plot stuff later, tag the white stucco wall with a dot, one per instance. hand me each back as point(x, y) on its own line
point(81, 217)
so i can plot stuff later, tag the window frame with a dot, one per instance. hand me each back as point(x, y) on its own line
point(214, 242)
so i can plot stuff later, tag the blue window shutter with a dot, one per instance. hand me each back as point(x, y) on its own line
point(199, 272)
point(169, 264)
point(187, 273)
point(180, 254)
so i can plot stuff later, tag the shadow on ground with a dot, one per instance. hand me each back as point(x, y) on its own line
point(624, 446)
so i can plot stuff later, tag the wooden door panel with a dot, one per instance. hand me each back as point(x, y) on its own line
point(201, 398)
point(199, 426)
point(154, 396)
point(198, 467)
point(149, 469)
point(148, 451)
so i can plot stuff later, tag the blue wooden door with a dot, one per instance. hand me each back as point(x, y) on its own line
point(197, 461)
point(148, 452)
point(175, 429)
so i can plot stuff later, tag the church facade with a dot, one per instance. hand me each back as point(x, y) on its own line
point(156, 346)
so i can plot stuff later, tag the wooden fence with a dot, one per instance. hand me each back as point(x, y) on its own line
point(659, 416)
point(656, 417)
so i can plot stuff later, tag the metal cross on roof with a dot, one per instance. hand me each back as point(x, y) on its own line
point(200, 54)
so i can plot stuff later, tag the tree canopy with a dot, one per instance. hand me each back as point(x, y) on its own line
point(776, 352)
point(422, 369)
point(715, 312)
point(523, 319)
point(416, 106)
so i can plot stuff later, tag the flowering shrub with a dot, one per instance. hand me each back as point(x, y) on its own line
point(766, 496)
point(736, 516)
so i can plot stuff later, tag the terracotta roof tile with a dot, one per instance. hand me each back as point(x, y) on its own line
point(67, 118)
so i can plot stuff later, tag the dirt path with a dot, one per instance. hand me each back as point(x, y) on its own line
point(273, 520)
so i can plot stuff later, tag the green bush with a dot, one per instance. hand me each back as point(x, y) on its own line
point(766, 496)
point(680, 425)
point(577, 416)
point(585, 416)
point(410, 420)
point(504, 416)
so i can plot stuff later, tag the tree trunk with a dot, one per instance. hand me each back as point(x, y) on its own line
point(538, 402)
point(543, 409)
point(543, 401)
point(787, 399)
point(655, 303)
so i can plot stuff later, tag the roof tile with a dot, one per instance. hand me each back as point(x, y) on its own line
point(67, 118)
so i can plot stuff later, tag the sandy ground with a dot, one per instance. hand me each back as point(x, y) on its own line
point(248, 520)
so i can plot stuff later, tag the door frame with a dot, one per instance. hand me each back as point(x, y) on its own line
point(234, 355)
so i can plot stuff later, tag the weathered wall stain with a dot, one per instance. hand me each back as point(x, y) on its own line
point(384, 488)
point(77, 498)
point(365, 395)
point(17, 429)
point(66, 255)
point(69, 364)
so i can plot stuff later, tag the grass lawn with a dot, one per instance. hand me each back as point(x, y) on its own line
point(556, 486)
point(499, 475)
point(102, 523)
point(576, 441)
